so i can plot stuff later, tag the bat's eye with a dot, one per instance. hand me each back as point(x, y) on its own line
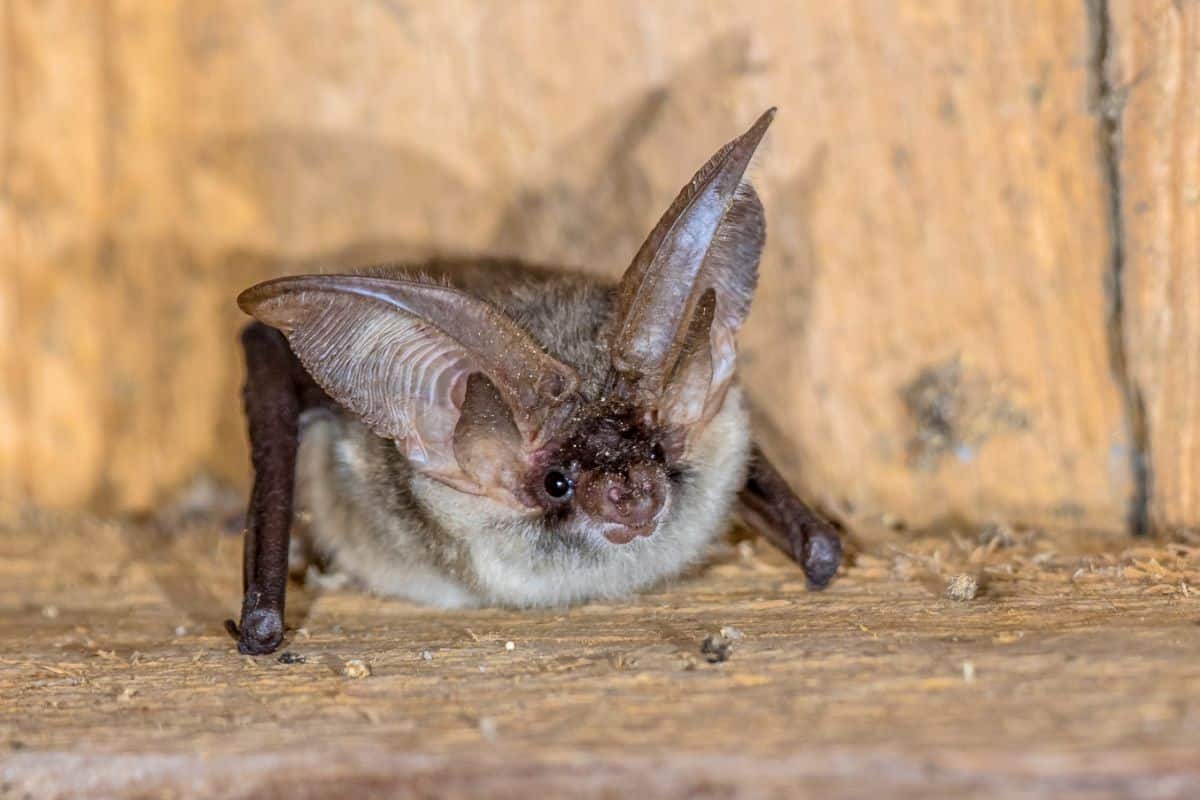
point(657, 453)
point(557, 484)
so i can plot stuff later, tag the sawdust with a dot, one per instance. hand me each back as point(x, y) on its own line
point(962, 588)
point(356, 668)
point(999, 534)
point(1007, 560)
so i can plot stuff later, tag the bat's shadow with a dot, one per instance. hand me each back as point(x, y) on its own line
point(198, 573)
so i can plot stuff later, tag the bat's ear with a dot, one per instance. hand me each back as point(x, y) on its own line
point(689, 287)
point(452, 380)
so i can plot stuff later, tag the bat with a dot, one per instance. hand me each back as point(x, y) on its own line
point(486, 432)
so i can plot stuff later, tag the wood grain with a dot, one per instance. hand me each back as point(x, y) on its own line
point(1154, 69)
point(929, 338)
point(943, 297)
point(1072, 674)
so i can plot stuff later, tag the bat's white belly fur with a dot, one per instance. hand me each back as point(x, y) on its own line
point(499, 560)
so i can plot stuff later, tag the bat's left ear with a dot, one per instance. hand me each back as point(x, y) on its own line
point(688, 290)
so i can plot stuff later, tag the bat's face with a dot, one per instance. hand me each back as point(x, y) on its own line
point(481, 410)
point(574, 541)
point(611, 476)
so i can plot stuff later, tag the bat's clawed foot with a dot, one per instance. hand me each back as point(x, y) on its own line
point(261, 632)
point(821, 553)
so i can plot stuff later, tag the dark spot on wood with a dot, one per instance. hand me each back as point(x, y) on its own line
point(954, 413)
point(948, 109)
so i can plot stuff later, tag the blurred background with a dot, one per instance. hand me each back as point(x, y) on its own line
point(980, 298)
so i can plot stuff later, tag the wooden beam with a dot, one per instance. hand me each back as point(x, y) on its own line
point(1154, 85)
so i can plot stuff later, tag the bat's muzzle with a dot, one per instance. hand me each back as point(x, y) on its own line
point(629, 502)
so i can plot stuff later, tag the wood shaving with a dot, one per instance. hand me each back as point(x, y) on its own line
point(962, 588)
point(356, 668)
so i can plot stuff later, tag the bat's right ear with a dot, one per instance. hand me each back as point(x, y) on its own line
point(401, 354)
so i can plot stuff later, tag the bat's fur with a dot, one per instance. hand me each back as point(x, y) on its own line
point(400, 533)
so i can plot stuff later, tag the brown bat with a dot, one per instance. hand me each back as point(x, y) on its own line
point(490, 433)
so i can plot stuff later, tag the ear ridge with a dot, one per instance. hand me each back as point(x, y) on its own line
point(685, 395)
point(400, 376)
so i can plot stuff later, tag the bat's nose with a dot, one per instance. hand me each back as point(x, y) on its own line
point(630, 505)
point(631, 501)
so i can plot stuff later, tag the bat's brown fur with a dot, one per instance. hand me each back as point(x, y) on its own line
point(400, 533)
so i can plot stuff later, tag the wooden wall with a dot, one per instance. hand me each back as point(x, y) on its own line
point(979, 300)
point(1155, 68)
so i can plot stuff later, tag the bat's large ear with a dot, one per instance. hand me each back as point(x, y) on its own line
point(453, 381)
point(689, 287)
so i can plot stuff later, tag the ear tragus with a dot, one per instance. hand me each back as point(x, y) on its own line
point(486, 442)
point(687, 391)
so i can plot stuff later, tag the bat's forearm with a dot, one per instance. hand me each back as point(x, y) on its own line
point(277, 389)
point(770, 506)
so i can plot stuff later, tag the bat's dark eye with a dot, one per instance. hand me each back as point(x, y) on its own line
point(557, 484)
point(657, 453)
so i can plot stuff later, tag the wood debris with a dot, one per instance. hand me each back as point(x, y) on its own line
point(356, 668)
point(962, 588)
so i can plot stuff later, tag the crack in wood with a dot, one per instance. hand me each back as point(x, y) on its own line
point(1108, 103)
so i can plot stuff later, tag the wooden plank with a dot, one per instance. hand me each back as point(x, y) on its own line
point(947, 220)
point(1154, 69)
point(50, 198)
point(120, 355)
point(1073, 674)
point(929, 337)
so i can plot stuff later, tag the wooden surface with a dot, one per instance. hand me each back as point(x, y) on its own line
point(931, 339)
point(1155, 69)
point(1074, 672)
point(951, 358)
point(979, 301)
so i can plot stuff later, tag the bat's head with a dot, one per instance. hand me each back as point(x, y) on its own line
point(479, 402)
